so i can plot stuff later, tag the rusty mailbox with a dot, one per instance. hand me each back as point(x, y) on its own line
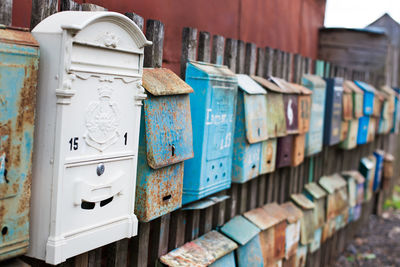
point(347, 112)
point(250, 129)
point(357, 98)
point(379, 157)
point(268, 156)
point(333, 110)
point(308, 227)
point(86, 145)
point(165, 141)
point(272, 239)
point(314, 138)
point(368, 97)
point(19, 57)
point(211, 249)
point(213, 108)
point(337, 199)
point(292, 235)
point(367, 169)
point(246, 234)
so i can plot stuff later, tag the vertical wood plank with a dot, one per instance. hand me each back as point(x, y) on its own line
point(219, 210)
point(290, 67)
point(41, 9)
point(68, 5)
point(82, 260)
point(232, 202)
point(270, 187)
point(262, 184)
point(261, 68)
point(176, 230)
point(217, 53)
point(252, 193)
point(192, 225)
point(92, 7)
point(159, 231)
point(6, 12)
point(189, 47)
point(277, 63)
point(117, 253)
point(139, 246)
point(250, 59)
point(138, 20)
point(153, 54)
point(206, 217)
point(242, 205)
point(297, 68)
point(269, 59)
point(240, 56)
point(204, 51)
point(230, 54)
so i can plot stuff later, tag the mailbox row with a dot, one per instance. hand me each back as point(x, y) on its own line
point(274, 233)
point(115, 143)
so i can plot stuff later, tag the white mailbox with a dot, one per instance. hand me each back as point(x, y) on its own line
point(87, 128)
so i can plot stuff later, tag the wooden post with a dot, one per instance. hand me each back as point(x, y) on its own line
point(176, 230)
point(297, 68)
point(277, 63)
point(139, 246)
point(250, 59)
point(159, 231)
point(204, 51)
point(92, 7)
point(139, 21)
point(117, 253)
point(240, 57)
point(261, 68)
point(153, 54)
point(217, 54)
point(69, 5)
point(230, 54)
point(41, 9)
point(189, 47)
point(6, 12)
point(269, 60)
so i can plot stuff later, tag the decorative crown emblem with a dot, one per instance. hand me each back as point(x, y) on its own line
point(105, 91)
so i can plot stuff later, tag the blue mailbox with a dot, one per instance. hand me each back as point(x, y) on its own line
point(362, 133)
point(250, 129)
point(396, 114)
point(314, 137)
point(213, 106)
point(369, 93)
point(19, 58)
point(333, 110)
point(165, 141)
point(379, 156)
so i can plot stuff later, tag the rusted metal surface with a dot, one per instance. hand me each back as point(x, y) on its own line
point(308, 220)
point(165, 141)
point(357, 98)
point(200, 252)
point(299, 142)
point(337, 197)
point(292, 238)
point(19, 57)
point(268, 156)
point(279, 229)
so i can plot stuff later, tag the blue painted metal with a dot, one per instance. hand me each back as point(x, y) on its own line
point(396, 114)
point(250, 129)
point(369, 92)
point(165, 141)
point(225, 261)
point(316, 243)
point(333, 110)
point(362, 133)
point(366, 168)
point(19, 57)
point(213, 106)
point(246, 234)
point(314, 137)
point(379, 156)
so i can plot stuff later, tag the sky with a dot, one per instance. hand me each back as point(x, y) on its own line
point(359, 13)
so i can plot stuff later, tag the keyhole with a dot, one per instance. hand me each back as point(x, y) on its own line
point(173, 150)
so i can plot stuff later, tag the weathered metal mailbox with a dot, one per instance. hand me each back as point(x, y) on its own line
point(292, 236)
point(396, 113)
point(379, 156)
point(250, 129)
point(86, 146)
point(337, 197)
point(372, 127)
point(347, 102)
point(213, 106)
point(362, 132)
point(333, 110)
point(357, 98)
point(284, 152)
point(19, 57)
point(268, 156)
point(314, 137)
point(388, 170)
point(368, 97)
point(350, 141)
point(270, 227)
point(211, 249)
point(165, 141)
point(355, 182)
point(367, 169)
point(307, 228)
point(246, 234)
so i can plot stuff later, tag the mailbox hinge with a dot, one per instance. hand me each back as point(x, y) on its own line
point(141, 95)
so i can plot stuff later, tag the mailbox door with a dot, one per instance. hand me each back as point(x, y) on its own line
point(255, 109)
point(299, 142)
point(344, 130)
point(268, 156)
point(18, 78)
point(276, 115)
point(250, 254)
point(372, 129)
point(314, 137)
point(351, 139)
point(307, 227)
point(284, 151)
point(358, 100)
point(363, 127)
point(316, 243)
point(333, 114)
point(267, 241)
point(291, 113)
point(280, 237)
point(292, 239)
point(347, 103)
point(368, 103)
point(304, 113)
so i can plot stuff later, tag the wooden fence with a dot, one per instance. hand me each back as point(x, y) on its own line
point(172, 230)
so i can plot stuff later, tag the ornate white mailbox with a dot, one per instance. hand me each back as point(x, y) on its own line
point(88, 117)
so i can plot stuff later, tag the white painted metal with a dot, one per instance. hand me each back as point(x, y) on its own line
point(87, 129)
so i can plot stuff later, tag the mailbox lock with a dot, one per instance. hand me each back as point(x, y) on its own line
point(100, 169)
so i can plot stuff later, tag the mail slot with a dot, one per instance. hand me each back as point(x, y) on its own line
point(367, 169)
point(379, 157)
point(246, 234)
point(333, 110)
point(368, 99)
point(19, 59)
point(308, 227)
point(292, 235)
point(211, 249)
point(90, 99)
point(268, 156)
point(363, 127)
point(350, 141)
point(250, 129)
point(165, 141)
point(357, 98)
point(213, 108)
point(272, 235)
point(314, 138)
point(275, 108)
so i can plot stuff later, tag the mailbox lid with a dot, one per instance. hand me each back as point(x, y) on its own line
point(18, 36)
point(390, 95)
point(315, 191)
point(168, 122)
point(240, 230)
point(276, 211)
point(269, 85)
point(357, 98)
point(293, 213)
point(261, 218)
point(302, 201)
point(368, 100)
point(215, 72)
point(332, 183)
point(202, 251)
point(255, 109)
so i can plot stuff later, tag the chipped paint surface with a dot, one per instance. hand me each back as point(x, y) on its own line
point(301, 256)
point(350, 141)
point(368, 97)
point(200, 252)
point(240, 230)
point(250, 255)
point(268, 156)
point(316, 243)
point(19, 56)
point(304, 113)
point(299, 142)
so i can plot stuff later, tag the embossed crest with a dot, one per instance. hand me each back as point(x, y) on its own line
point(102, 120)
